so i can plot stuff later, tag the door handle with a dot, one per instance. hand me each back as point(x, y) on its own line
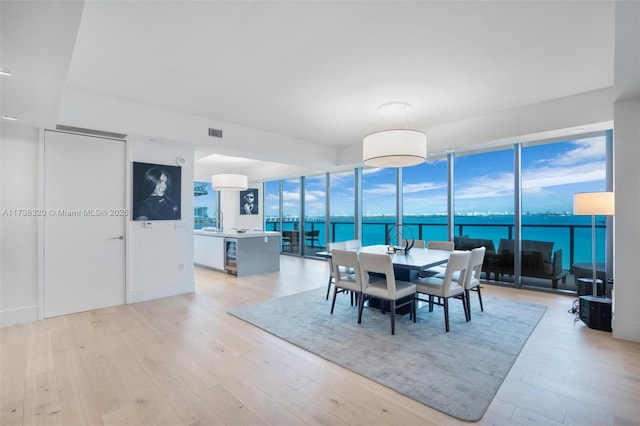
point(121, 237)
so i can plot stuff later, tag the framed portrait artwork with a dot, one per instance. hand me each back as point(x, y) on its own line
point(156, 192)
point(249, 201)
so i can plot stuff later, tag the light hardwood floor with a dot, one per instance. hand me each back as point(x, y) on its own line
point(184, 361)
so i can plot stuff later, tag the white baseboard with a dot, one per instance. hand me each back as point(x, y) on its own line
point(626, 330)
point(21, 315)
point(27, 314)
point(145, 294)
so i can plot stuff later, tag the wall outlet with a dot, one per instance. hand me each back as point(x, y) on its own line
point(180, 267)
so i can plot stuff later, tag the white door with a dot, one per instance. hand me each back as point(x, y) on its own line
point(84, 246)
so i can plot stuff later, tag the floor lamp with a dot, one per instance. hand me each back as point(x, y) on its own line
point(594, 204)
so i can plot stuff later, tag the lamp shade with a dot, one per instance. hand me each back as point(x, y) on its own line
point(229, 182)
point(594, 203)
point(394, 148)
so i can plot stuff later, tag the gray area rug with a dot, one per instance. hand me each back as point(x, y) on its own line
point(457, 373)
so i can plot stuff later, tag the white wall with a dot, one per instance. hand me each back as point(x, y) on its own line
point(159, 259)
point(19, 156)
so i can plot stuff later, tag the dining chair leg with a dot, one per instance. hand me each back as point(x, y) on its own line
point(328, 289)
point(445, 305)
point(480, 298)
point(467, 295)
point(393, 316)
point(430, 303)
point(414, 308)
point(360, 305)
point(333, 303)
point(465, 307)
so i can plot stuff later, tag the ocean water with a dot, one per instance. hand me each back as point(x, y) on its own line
point(562, 230)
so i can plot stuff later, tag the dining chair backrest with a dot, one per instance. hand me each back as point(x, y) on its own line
point(334, 246)
point(458, 262)
point(340, 245)
point(440, 245)
point(418, 243)
point(378, 264)
point(353, 244)
point(474, 270)
point(346, 268)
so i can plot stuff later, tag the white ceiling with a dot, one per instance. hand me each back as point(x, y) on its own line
point(308, 74)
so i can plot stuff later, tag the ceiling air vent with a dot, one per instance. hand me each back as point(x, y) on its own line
point(216, 133)
point(91, 132)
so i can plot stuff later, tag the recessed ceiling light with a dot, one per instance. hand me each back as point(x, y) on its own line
point(10, 118)
point(5, 72)
point(579, 129)
point(450, 151)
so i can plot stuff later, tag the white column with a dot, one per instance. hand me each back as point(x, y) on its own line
point(626, 298)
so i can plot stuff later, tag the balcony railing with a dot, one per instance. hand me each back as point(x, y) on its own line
point(574, 239)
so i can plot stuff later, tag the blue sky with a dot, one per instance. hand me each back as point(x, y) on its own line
point(552, 173)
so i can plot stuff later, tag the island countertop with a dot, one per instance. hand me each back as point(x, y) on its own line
point(233, 233)
point(238, 253)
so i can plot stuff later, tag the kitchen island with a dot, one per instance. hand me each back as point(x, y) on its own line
point(236, 252)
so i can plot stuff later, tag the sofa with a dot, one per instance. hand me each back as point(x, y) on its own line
point(538, 258)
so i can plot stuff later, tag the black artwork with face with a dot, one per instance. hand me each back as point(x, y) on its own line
point(249, 201)
point(156, 192)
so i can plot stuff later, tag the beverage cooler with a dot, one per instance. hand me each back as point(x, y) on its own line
point(230, 255)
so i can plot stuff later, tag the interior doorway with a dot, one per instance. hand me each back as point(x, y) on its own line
point(85, 222)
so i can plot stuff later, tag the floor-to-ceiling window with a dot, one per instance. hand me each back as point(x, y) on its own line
point(272, 205)
point(378, 204)
point(315, 208)
point(424, 189)
point(484, 202)
point(551, 174)
point(342, 202)
point(205, 205)
point(291, 237)
point(485, 195)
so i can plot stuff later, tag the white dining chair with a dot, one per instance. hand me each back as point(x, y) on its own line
point(353, 244)
point(378, 281)
point(346, 274)
point(333, 246)
point(445, 288)
point(472, 277)
point(436, 245)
